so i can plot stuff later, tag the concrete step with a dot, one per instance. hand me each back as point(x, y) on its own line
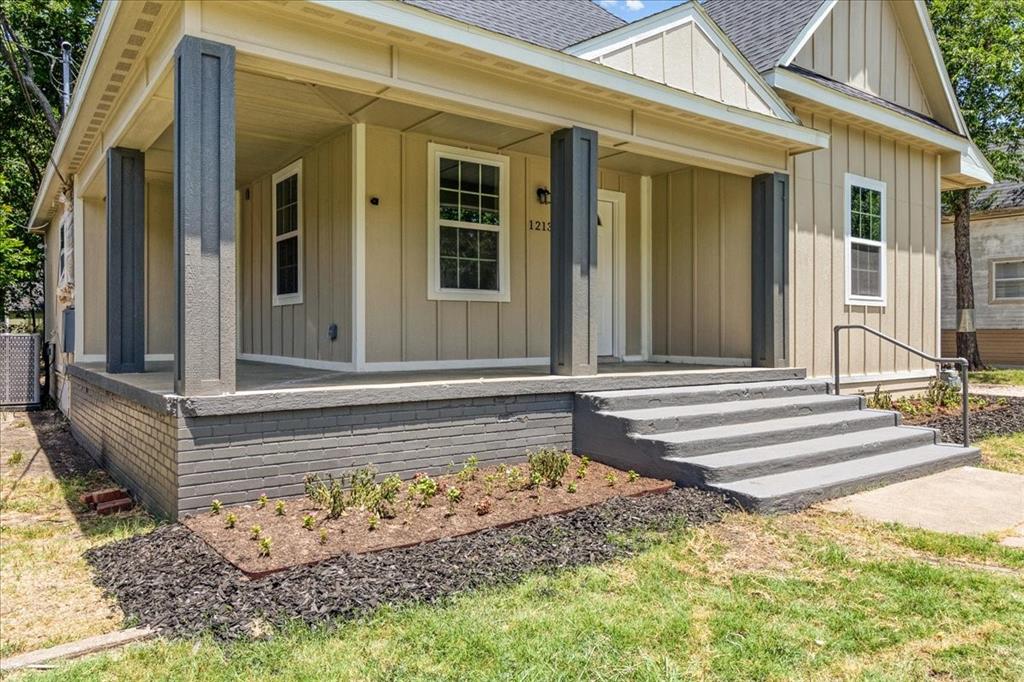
point(691, 443)
point(636, 399)
point(773, 459)
point(705, 415)
point(797, 489)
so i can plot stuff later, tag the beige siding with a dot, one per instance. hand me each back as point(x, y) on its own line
point(817, 252)
point(860, 43)
point(300, 330)
point(700, 233)
point(160, 314)
point(684, 57)
point(93, 282)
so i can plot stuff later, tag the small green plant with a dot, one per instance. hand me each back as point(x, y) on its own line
point(632, 476)
point(262, 502)
point(423, 489)
point(216, 507)
point(373, 522)
point(255, 532)
point(536, 479)
point(549, 465)
point(323, 536)
point(279, 508)
point(515, 479)
point(581, 470)
point(880, 400)
point(610, 479)
point(469, 469)
point(230, 520)
point(453, 495)
point(571, 488)
point(942, 394)
point(265, 547)
point(491, 482)
point(327, 493)
point(308, 521)
point(16, 458)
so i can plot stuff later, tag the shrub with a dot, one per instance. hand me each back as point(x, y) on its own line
point(373, 521)
point(262, 502)
point(362, 486)
point(423, 488)
point(255, 532)
point(469, 469)
point(610, 479)
point(515, 479)
point(880, 400)
point(327, 493)
point(308, 521)
point(632, 476)
point(379, 498)
point(264, 547)
point(581, 470)
point(491, 481)
point(279, 508)
point(453, 496)
point(230, 520)
point(216, 507)
point(571, 488)
point(323, 536)
point(941, 394)
point(483, 506)
point(549, 465)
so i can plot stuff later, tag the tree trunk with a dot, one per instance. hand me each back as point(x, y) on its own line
point(966, 335)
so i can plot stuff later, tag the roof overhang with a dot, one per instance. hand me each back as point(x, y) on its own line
point(963, 164)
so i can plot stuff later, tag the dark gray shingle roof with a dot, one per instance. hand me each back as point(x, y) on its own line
point(555, 24)
point(851, 91)
point(762, 29)
point(1000, 196)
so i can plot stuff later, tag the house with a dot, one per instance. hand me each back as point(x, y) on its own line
point(303, 236)
point(997, 257)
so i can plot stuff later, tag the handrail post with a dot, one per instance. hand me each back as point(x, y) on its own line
point(835, 359)
point(965, 408)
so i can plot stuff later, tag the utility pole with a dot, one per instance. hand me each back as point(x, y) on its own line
point(65, 92)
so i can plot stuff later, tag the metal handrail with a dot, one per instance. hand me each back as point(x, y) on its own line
point(938, 361)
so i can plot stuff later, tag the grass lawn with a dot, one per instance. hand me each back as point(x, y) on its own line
point(1007, 377)
point(814, 595)
point(1003, 453)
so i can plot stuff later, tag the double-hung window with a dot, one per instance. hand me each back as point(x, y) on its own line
point(1007, 280)
point(865, 241)
point(287, 223)
point(468, 223)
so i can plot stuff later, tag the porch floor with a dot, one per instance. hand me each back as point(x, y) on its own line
point(262, 386)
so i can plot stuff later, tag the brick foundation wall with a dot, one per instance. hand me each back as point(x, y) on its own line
point(133, 443)
point(237, 458)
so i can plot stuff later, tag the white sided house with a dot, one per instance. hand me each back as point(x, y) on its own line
point(306, 236)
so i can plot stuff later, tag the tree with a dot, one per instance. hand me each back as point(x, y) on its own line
point(982, 42)
point(31, 32)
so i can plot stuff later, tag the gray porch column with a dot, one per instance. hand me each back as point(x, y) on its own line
point(770, 272)
point(573, 251)
point(204, 216)
point(126, 243)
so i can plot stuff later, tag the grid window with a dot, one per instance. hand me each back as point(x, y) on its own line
point(288, 235)
point(1008, 280)
point(865, 241)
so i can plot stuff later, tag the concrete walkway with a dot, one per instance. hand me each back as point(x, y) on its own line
point(967, 500)
point(997, 389)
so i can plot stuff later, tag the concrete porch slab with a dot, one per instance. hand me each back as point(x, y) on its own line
point(967, 500)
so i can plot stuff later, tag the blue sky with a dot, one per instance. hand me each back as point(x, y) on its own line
point(631, 10)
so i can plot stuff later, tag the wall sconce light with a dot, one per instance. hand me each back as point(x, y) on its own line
point(544, 195)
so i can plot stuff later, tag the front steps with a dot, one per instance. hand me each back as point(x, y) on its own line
point(770, 446)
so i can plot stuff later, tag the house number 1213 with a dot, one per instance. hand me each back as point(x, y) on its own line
point(540, 225)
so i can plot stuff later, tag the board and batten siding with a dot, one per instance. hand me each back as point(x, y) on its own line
point(159, 278)
point(817, 253)
point(300, 330)
point(402, 324)
point(860, 43)
point(700, 264)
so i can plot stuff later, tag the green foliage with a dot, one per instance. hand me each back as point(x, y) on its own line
point(255, 532)
point(515, 479)
point(571, 488)
point(941, 394)
point(216, 507)
point(230, 520)
point(262, 502)
point(453, 495)
point(610, 479)
point(469, 469)
point(581, 470)
point(423, 489)
point(880, 400)
point(16, 458)
point(373, 522)
point(264, 547)
point(308, 521)
point(323, 536)
point(548, 465)
point(279, 508)
point(328, 492)
point(632, 476)
point(1006, 377)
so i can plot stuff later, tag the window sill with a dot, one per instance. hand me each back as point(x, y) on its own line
point(288, 299)
point(469, 295)
point(866, 302)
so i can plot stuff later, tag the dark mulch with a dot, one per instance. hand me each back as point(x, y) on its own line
point(992, 421)
point(171, 580)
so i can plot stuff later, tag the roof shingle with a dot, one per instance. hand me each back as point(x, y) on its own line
point(762, 29)
point(555, 24)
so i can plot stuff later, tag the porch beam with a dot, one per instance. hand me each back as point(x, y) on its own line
point(204, 216)
point(126, 243)
point(769, 270)
point(573, 251)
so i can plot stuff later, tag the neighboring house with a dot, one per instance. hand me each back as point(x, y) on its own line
point(997, 258)
point(408, 232)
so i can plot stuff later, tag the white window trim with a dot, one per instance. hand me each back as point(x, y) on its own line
point(294, 168)
point(849, 180)
point(434, 290)
point(992, 281)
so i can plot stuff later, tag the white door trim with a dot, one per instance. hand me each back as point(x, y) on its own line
point(618, 201)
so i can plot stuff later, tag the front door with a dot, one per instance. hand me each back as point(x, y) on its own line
point(605, 289)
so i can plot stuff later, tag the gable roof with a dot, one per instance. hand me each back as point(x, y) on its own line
point(555, 24)
point(1002, 196)
point(763, 30)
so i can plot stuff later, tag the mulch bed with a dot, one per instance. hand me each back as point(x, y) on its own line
point(173, 581)
point(1002, 417)
point(294, 545)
